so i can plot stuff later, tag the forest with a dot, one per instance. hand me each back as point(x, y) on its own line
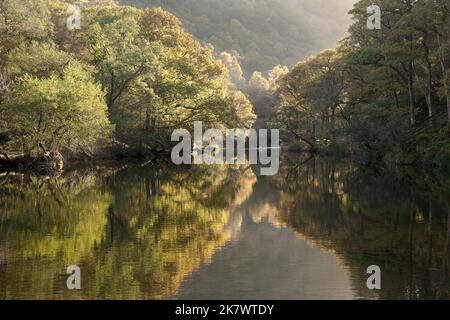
point(380, 94)
point(119, 85)
point(262, 33)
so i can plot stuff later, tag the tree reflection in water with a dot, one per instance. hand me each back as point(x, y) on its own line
point(138, 233)
point(135, 233)
point(400, 222)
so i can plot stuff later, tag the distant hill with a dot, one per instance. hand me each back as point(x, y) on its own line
point(264, 32)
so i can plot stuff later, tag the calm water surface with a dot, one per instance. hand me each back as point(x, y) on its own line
point(222, 232)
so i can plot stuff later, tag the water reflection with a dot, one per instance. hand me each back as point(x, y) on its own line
point(221, 232)
point(400, 222)
point(136, 233)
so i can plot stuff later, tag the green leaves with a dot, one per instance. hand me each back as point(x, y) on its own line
point(58, 111)
point(378, 82)
point(310, 98)
point(38, 59)
point(135, 68)
point(22, 21)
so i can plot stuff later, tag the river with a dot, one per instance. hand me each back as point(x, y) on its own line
point(223, 232)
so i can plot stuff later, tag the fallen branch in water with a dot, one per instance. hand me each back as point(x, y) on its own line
point(50, 163)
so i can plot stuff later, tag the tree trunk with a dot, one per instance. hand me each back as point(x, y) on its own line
point(444, 71)
point(429, 85)
point(412, 104)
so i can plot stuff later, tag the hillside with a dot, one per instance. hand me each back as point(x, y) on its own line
point(264, 33)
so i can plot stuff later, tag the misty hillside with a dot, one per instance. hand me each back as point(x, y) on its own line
point(264, 32)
